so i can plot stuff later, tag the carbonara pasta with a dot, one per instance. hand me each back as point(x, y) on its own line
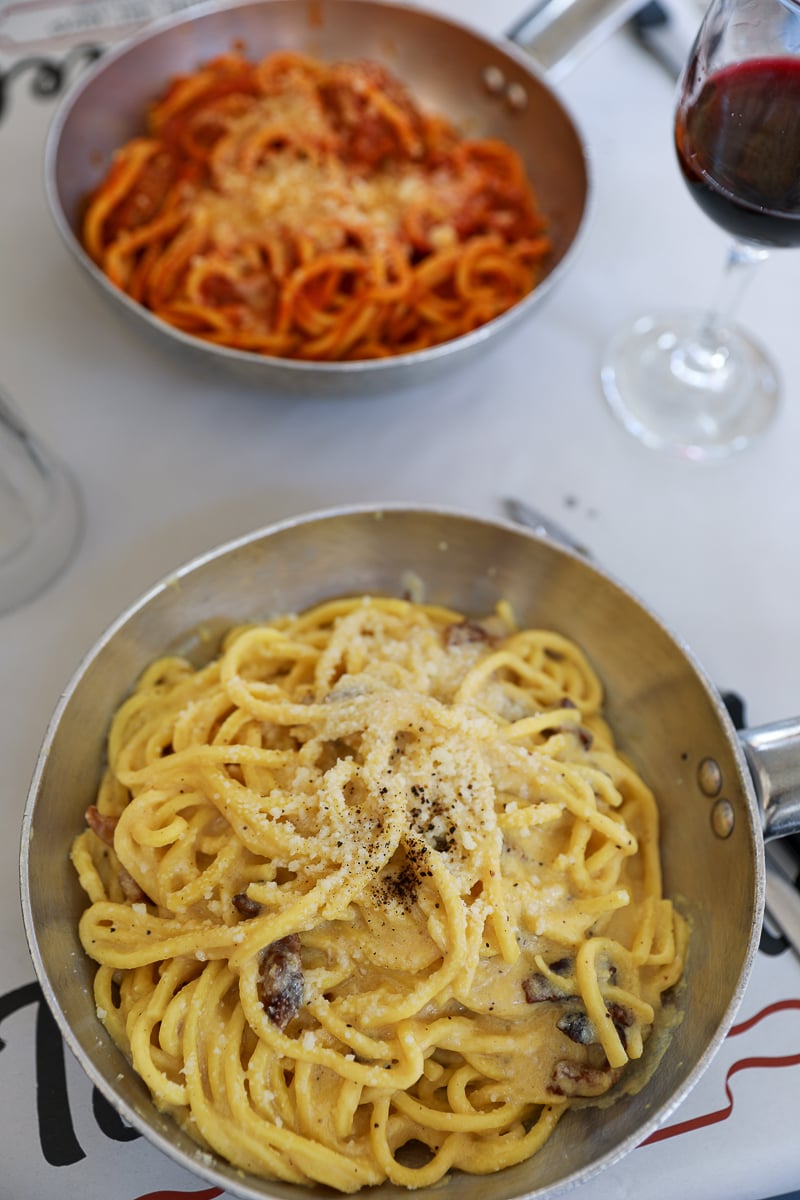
point(373, 896)
point(307, 210)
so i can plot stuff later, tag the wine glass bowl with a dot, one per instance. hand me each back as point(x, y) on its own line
point(696, 384)
point(737, 129)
point(41, 516)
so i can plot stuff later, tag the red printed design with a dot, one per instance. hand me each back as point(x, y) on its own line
point(669, 1131)
point(741, 1064)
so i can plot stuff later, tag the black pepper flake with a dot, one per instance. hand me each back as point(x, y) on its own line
point(400, 886)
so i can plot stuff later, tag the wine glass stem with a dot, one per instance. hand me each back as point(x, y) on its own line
point(708, 351)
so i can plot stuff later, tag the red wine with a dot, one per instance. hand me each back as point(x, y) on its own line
point(738, 143)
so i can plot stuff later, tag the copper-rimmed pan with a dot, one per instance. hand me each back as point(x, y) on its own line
point(719, 793)
point(487, 87)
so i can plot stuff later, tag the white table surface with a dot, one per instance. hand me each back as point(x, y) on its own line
point(172, 461)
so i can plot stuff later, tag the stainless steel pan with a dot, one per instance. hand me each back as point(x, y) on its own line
point(720, 793)
point(489, 88)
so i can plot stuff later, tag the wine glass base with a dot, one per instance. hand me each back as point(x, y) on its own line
point(663, 398)
point(45, 543)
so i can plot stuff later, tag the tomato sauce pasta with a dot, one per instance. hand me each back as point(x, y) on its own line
point(373, 895)
point(303, 210)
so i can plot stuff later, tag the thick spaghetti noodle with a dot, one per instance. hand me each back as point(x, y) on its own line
point(303, 210)
point(375, 881)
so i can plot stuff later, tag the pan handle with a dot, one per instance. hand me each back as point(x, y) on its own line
point(772, 751)
point(556, 33)
point(773, 755)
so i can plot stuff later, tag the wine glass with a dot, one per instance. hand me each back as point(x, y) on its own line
point(696, 384)
point(40, 511)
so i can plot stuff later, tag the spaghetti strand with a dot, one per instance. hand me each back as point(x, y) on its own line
point(373, 895)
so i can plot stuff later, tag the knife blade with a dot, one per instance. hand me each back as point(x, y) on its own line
point(525, 514)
